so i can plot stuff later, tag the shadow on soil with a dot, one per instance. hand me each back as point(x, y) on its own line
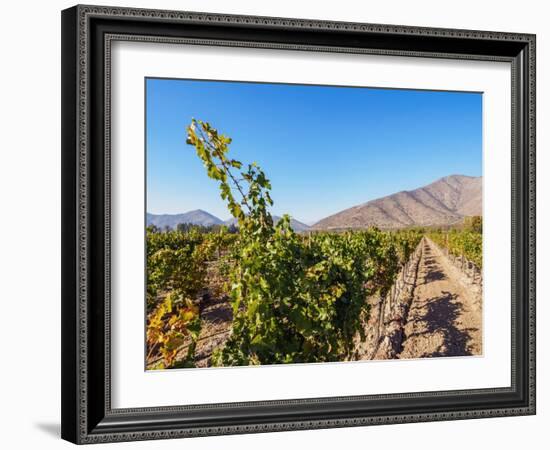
point(440, 317)
point(434, 270)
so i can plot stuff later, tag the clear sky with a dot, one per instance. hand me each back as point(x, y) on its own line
point(323, 148)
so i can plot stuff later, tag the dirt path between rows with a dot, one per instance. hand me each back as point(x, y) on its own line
point(445, 317)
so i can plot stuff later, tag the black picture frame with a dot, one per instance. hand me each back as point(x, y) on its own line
point(87, 416)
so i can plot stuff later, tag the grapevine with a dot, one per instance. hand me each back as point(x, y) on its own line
point(463, 242)
point(294, 299)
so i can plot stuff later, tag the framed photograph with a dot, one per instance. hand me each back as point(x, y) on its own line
point(280, 224)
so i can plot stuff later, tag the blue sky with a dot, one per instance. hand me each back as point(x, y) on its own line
point(324, 148)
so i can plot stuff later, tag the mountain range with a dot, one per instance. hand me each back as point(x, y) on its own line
point(443, 202)
point(196, 217)
point(200, 217)
point(296, 225)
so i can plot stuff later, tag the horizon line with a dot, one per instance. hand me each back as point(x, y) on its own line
point(311, 223)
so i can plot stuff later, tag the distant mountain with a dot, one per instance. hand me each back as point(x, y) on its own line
point(296, 225)
point(443, 202)
point(196, 217)
point(200, 217)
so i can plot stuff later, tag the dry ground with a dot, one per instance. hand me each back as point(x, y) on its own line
point(445, 315)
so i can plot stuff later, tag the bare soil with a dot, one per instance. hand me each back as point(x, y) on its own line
point(216, 316)
point(445, 315)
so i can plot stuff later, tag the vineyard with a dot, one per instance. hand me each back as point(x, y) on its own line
point(461, 243)
point(464, 248)
point(262, 293)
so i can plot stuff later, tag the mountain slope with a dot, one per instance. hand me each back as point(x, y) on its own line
point(296, 225)
point(443, 202)
point(200, 217)
point(196, 217)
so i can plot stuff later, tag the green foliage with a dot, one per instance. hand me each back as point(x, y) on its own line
point(461, 242)
point(296, 302)
point(407, 241)
point(186, 227)
point(294, 298)
point(474, 224)
point(176, 263)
